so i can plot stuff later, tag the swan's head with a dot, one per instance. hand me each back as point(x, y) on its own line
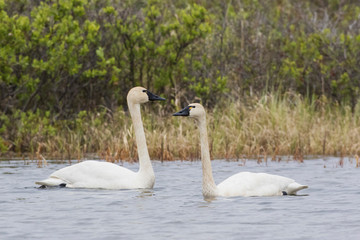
point(193, 110)
point(142, 95)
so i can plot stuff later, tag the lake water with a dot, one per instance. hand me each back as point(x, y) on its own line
point(175, 208)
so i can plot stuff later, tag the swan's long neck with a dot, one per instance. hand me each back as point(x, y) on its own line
point(144, 159)
point(209, 188)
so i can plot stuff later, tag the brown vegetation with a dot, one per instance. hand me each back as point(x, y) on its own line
point(269, 127)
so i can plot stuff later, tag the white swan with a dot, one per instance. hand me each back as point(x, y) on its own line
point(241, 184)
point(95, 174)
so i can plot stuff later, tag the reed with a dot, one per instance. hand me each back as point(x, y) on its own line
point(267, 127)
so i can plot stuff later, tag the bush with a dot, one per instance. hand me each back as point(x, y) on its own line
point(59, 58)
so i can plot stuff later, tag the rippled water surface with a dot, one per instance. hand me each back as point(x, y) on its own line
point(175, 208)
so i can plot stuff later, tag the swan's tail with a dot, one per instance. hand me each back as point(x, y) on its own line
point(295, 187)
point(51, 182)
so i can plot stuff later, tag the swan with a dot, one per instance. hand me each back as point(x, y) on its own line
point(105, 175)
point(244, 184)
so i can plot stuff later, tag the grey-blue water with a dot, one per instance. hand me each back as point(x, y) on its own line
point(175, 208)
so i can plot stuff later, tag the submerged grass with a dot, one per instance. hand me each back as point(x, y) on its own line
point(266, 127)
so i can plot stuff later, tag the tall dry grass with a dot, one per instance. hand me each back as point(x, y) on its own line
point(266, 127)
point(276, 126)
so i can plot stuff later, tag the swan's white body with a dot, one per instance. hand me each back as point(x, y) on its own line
point(242, 184)
point(95, 174)
point(249, 184)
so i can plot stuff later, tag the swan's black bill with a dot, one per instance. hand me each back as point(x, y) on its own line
point(184, 112)
point(153, 97)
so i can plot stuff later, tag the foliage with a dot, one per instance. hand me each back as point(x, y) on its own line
point(72, 55)
point(61, 58)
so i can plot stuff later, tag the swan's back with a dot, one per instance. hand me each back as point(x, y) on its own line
point(94, 174)
point(258, 184)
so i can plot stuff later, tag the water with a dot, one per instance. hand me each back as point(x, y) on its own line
point(175, 208)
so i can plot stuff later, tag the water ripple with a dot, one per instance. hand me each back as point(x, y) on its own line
point(175, 208)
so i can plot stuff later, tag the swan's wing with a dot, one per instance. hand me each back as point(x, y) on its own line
point(258, 184)
point(92, 174)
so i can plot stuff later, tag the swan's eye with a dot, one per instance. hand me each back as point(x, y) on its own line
point(191, 107)
point(144, 90)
